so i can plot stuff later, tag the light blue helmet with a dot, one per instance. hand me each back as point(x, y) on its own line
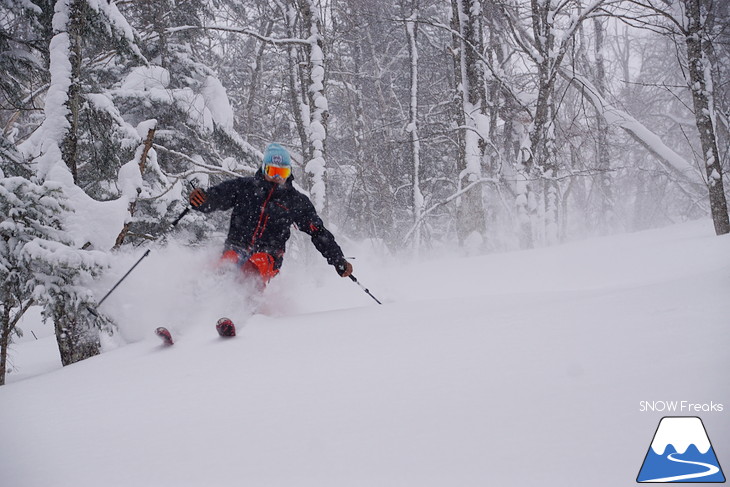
point(276, 155)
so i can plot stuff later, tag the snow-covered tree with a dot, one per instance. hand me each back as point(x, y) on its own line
point(39, 264)
point(63, 275)
point(62, 268)
point(411, 25)
point(367, 155)
point(317, 105)
point(700, 82)
point(470, 112)
point(603, 150)
point(693, 23)
point(553, 26)
point(175, 117)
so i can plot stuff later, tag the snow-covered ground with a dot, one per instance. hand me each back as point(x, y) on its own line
point(516, 369)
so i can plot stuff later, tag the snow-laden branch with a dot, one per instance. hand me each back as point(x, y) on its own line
point(443, 202)
point(533, 47)
point(495, 73)
point(210, 169)
point(198, 168)
point(577, 20)
point(249, 32)
point(669, 159)
point(661, 11)
point(117, 27)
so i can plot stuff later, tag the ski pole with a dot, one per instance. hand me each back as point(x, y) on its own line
point(147, 252)
point(364, 288)
point(119, 281)
point(185, 211)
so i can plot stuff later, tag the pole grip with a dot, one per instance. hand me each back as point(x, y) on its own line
point(177, 220)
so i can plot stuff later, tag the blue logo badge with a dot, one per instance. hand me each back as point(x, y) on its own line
point(277, 159)
point(681, 452)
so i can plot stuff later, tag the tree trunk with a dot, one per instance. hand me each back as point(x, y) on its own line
point(7, 327)
point(69, 144)
point(257, 68)
point(470, 76)
point(457, 100)
point(5, 331)
point(703, 109)
point(296, 81)
point(133, 204)
point(605, 189)
point(542, 161)
point(318, 107)
point(416, 195)
point(76, 338)
point(360, 211)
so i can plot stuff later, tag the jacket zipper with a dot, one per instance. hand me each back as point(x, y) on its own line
point(257, 233)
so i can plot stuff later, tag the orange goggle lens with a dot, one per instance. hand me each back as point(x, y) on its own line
point(276, 171)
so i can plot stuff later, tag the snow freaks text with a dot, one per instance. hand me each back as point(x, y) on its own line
point(679, 407)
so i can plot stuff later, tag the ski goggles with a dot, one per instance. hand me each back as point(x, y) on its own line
point(277, 171)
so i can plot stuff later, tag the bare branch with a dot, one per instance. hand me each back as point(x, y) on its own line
point(270, 40)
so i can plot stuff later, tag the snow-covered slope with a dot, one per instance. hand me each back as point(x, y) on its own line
point(517, 369)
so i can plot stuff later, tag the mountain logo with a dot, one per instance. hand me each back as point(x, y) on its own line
point(680, 452)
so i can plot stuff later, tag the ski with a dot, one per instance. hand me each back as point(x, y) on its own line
point(225, 328)
point(165, 334)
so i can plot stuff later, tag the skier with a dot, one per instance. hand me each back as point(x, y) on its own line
point(264, 208)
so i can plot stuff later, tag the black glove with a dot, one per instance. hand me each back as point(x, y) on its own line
point(198, 197)
point(343, 268)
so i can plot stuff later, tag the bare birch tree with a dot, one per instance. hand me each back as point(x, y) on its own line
point(603, 152)
point(472, 121)
point(553, 27)
point(411, 25)
point(317, 105)
point(689, 25)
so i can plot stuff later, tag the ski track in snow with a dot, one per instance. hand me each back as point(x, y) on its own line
point(515, 369)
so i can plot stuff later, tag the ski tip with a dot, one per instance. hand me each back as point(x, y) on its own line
point(225, 328)
point(165, 334)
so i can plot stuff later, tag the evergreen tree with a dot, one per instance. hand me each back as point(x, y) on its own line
point(39, 264)
point(179, 95)
point(59, 163)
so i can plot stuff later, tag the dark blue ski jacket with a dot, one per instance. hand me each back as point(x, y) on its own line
point(263, 213)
